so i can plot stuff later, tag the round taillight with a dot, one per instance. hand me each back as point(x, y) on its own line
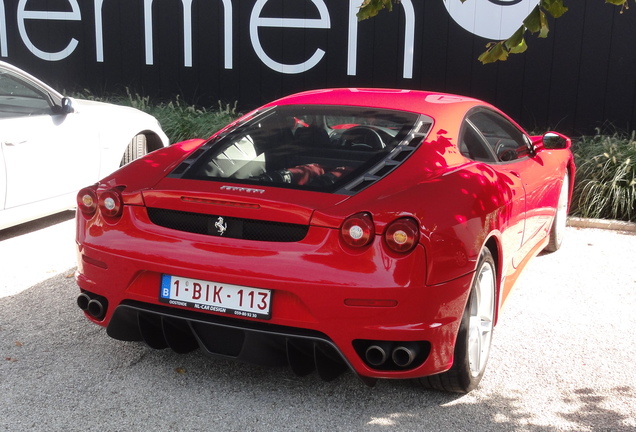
point(110, 203)
point(358, 230)
point(402, 235)
point(87, 201)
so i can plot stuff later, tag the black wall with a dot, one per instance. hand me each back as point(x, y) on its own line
point(582, 77)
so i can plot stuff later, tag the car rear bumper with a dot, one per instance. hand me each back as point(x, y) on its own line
point(319, 318)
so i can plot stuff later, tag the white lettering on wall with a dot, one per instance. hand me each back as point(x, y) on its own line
point(99, 32)
point(187, 32)
point(256, 21)
point(148, 31)
point(24, 14)
point(352, 47)
point(227, 28)
point(3, 31)
point(409, 38)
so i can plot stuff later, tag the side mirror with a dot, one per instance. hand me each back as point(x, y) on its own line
point(554, 141)
point(67, 106)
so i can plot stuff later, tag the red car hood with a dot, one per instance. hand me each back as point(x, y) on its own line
point(236, 200)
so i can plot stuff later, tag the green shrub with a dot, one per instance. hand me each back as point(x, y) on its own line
point(605, 185)
point(179, 120)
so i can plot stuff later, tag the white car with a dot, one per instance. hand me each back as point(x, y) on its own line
point(51, 146)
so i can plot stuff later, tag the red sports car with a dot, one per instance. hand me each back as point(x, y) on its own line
point(372, 230)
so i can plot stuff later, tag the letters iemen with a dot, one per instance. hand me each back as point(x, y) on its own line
point(256, 22)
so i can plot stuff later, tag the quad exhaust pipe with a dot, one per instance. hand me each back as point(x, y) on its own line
point(403, 356)
point(96, 309)
point(92, 304)
point(83, 300)
point(377, 355)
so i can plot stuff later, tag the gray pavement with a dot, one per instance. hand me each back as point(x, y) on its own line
point(562, 360)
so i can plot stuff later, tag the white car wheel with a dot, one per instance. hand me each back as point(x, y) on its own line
point(480, 324)
point(137, 148)
point(560, 218)
point(474, 337)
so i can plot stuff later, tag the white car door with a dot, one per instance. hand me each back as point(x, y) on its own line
point(3, 179)
point(47, 154)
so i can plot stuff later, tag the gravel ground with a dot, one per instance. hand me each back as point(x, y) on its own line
point(562, 360)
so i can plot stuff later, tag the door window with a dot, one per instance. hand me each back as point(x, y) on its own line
point(19, 99)
point(489, 137)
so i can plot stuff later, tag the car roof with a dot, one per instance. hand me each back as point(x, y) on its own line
point(423, 102)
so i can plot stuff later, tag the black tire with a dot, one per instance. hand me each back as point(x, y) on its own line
point(137, 148)
point(472, 346)
point(560, 218)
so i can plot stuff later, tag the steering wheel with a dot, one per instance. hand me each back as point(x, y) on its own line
point(362, 138)
point(504, 152)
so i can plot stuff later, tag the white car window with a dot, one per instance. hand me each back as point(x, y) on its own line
point(19, 99)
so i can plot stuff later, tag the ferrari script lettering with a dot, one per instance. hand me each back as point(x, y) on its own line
point(242, 189)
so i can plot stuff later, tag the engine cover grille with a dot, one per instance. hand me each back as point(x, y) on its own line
point(222, 226)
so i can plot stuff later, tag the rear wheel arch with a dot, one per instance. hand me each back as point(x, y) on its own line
point(474, 336)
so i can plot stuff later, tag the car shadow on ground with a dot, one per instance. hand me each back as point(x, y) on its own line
point(56, 360)
point(36, 225)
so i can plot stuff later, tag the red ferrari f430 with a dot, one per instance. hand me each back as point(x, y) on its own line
point(373, 230)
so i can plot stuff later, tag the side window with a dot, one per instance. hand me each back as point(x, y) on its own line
point(473, 146)
point(504, 139)
point(19, 99)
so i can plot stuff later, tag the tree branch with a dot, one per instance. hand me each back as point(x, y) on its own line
point(535, 22)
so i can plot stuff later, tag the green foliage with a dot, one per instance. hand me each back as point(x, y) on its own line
point(606, 177)
point(536, 22)
point(181, 122)
point(178, 120)
point(371, 8)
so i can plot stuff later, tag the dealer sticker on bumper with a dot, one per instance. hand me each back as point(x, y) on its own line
point(216, 297)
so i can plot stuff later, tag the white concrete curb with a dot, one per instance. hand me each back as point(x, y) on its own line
point(602, 224)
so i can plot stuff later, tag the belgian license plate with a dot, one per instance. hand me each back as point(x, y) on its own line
point(216, 297)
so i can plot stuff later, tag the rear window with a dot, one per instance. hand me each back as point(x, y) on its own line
point(306, 147)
